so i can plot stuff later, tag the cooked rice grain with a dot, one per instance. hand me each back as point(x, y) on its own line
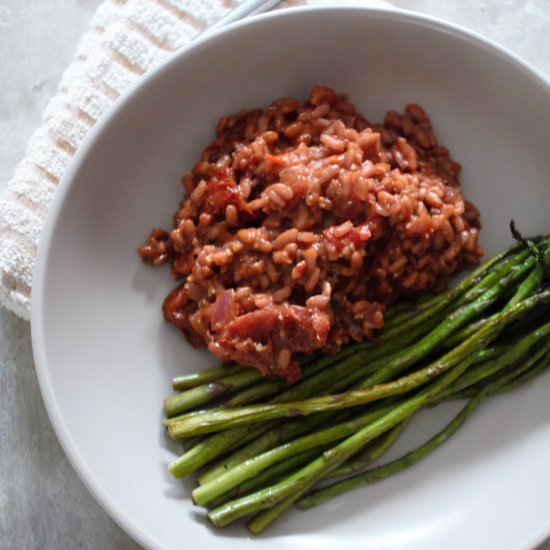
point(303, 221)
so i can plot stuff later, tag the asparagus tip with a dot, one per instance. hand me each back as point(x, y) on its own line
point(539, 255)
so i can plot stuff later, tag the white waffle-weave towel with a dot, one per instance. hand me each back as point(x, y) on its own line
point(125, 39)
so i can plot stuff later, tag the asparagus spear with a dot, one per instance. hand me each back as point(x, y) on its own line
point(272, 437)
point(262, 519)
point(293, 428)
point(540, 359)
point(537, 362)
point(217, 420)
point(528, 285)
point(515, 352)
point(371, 452)
point(252, 393)
point(294, 485)
point(215, 486)
point(271, 474)
point(187, 381)
point(381, 472)
point(252, 467)
point(205, 393)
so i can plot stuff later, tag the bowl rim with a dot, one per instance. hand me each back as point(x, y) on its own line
point(70, 448)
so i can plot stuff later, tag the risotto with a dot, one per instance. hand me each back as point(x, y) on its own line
point(302, 222)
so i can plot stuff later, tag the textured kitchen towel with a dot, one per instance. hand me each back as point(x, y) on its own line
point(125, 39)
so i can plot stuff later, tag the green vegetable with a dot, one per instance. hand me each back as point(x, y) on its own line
point(266, 445)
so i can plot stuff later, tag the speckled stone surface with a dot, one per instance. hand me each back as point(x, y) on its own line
point(43, 504)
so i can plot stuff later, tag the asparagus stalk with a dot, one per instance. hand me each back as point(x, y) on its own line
point(252, 467)
point(265, 517)
point(199, 395)
point(300, 481)
point(273, 437)
point(530, 367)
point(376, 474)
point(255, 392)
point(217, 420)
point(540, 359)
point(209, 448)
point(371, 452)
point(272, 474)
point(515, 352)
point(528, 285)
point(542, 364)
point(188, 381)
point(224, 481)
point(251, 380)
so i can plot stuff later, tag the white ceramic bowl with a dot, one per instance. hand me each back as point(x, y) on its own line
point(105, 357)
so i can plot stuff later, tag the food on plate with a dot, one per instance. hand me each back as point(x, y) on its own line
point(265, 446)
point(302, 222)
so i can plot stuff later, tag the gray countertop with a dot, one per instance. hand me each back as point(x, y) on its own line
point(43, 504)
